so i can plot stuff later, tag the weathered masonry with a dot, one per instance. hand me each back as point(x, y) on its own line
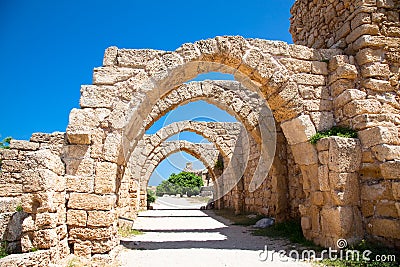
point(342, 70)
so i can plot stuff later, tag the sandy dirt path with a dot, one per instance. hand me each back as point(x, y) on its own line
point(174, 237)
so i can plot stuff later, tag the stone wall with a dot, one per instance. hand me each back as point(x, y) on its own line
point(365, 86)
point(34, 177)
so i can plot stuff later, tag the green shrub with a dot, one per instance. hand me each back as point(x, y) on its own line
point(375, 248)
point(182, 183)
point(151, 196)
point(19, 208)
point(3, 249)
point(334, 131)
point(5, 144)
point(289, 229)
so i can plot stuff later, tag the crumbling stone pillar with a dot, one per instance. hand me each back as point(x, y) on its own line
point(43, 186)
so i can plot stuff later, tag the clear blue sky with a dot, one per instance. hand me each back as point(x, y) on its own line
point(49, 48)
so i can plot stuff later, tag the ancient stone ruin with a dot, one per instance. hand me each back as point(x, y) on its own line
point(71, 188)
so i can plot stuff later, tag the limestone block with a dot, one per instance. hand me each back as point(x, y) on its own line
point(318, 105)
point(323, 178)
point(377, 85)
point(386, 209)
point(136, 58)
point(318, 67)
point(41, 180)
point(112, 147)
point(358, 107)
point(386, 3)
point(396, 190)
point(62, 231)
point(13, 166)
point(385, 228)
point(367, 209)
point(317, 198)
point(369, 55)
point(365, 29)
point(301, 52)
point(80, 184)
point(375, 69)
point(80, 167)
point(111, 75)
point(103, 246)
point(23, 145)
point(89, 117)
point(346, 71)
point(76, 217)
point(377, 191)
point(285, 95)
point(83, 249)
point(359, 19)
point(348, 96)
point(309, 79)
point(9, 204)
point(9, 154)
point(337, 61)
point(10, 190)
point(298, 130)
point(78, 135)
point(323, 157)
point(370, 171)
point(385, 152)
point(91, 201)
point(91, 233)
point(341, 85)
point(46, 220)
point(310, 176)
point(305, 223)
point(344, 154)
point(390, 169)
point(44, 239)
point(95, 96)
point(110, 56)
point(48, 160)
point(339, 222)
point(297, 66)
point(344, 181)
point(378, 135)
point(38, 202)
point(322, 120)
point(101, 218)
point(105, 179)
point(76, 151)
point(271, 47)
point(323, 144)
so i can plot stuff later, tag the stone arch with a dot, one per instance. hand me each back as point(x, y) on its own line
point(223, 134)
point(230, 96)
point(132, 81)
point(206, 153)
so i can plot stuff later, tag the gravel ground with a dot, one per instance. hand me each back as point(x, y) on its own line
point(174, 237)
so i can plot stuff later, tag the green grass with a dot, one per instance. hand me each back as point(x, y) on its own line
point(334, 131)
point(376, 249)
point(125, 232)
point(290, 230)
point(3, 249)
point(240, 219)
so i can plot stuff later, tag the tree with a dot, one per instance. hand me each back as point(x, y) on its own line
point(181, 183)
point(5, 144)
